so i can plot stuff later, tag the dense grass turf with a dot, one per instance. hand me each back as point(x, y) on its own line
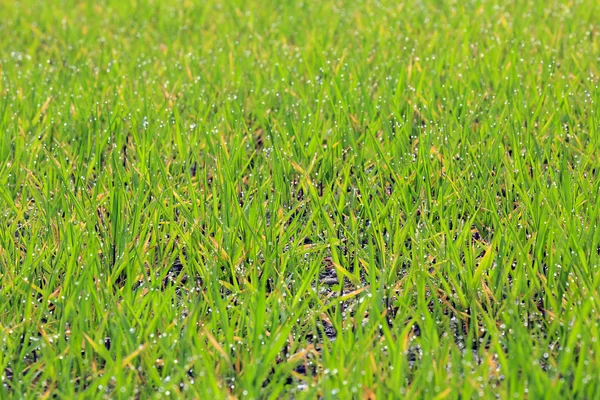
point(278, 198)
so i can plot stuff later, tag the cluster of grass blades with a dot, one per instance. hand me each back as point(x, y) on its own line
point(274, 199)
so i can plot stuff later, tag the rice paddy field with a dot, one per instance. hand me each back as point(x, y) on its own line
point(282, 199)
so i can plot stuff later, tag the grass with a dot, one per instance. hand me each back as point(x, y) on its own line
point(269, 199)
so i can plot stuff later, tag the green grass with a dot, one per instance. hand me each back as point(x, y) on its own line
point(269, 199)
